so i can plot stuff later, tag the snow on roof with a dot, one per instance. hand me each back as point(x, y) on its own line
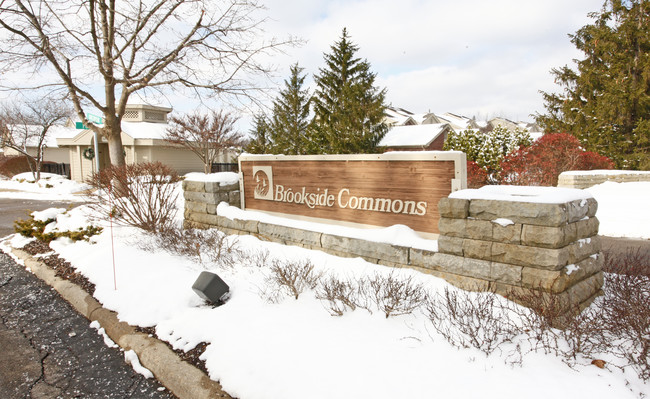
point(536, 194)
point(145, 130)
point(415, 135)
point(456, 121)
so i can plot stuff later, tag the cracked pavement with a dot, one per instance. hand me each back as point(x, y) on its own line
point(49, 350)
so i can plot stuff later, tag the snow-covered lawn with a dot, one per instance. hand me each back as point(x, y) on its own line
point(50, 187)
point(296, 349)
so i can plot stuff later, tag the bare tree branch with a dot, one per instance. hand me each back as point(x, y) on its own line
point(207, 136)
point(24, 128)
point(125, 47)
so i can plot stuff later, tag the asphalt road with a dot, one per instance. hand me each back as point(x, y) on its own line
point(13, 209)
point(49, 351)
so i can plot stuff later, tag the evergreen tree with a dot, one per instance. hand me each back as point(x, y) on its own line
point(261, 141)
point(487, 149)
point(606, 100)
point(348, 108)
point(290, 121)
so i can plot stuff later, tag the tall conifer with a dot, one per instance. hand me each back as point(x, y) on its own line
point(290, 121)
point(348, 108)
point(606, 101)
point(261, 137)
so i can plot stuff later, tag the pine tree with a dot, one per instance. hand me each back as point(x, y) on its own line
point(290, 122)
point(261, 142)
point(606, 100)
point(348, 108)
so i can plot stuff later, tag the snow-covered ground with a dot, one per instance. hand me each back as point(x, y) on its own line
point(296, 349)
point(50, 187)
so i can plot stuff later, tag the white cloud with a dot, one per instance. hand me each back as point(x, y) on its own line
point(464, 56)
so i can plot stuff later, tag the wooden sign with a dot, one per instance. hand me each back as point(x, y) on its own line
point(362, 190)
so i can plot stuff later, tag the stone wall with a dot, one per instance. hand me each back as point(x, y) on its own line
point(589, 178)
point(202, 198)
point(523, 245)
point(505, 246)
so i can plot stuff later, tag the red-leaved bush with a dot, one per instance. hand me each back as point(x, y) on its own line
point(541, 163)
point(477, 177)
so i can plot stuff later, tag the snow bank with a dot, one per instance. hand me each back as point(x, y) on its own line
point(398, 234)
point(623, 208)
point(535, 194)
point(223, 178)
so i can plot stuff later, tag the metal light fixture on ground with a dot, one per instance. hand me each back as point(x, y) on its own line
point(211, 288)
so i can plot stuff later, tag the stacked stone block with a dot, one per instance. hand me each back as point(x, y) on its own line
point(576, 179)
point(201, 200)
point(509, 246)
point(505, 246)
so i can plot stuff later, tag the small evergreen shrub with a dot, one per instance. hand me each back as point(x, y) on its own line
point(36, 229)
point(487, 149)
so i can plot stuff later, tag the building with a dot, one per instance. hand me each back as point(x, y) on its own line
point(427, 137)
point(428, 131)
point(143, 131)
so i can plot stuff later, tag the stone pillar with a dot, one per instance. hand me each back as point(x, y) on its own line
point(515, 245)
point(201, 200)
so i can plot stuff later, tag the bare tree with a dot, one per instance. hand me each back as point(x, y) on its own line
point(103, 51)
point(206, 135)
point(24, 128)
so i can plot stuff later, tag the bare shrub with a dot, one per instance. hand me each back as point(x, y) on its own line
point(393, 295)
point(633, 262)
point(290, 277)
point(205, 246)
point(340, 295)
point(626, 316)
point(467, 319)
point(258, 258)
point(141, 195)
point(541, 315)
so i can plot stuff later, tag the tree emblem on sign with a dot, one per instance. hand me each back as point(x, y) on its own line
point(261, 183)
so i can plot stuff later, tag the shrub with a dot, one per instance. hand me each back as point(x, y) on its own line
point(141, 195)
point(13, 165)
point(393, 295)
point(467, 319)
point(36, 229)
point(476, 176)
point(289, 277)
point(205, 246)
point(541, 163)
point(626, 314)
point(487, 149)
point(340, 295)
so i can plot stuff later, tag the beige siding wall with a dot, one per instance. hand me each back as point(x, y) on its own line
point(80, 167)
point(58, 155)
point(180, 159)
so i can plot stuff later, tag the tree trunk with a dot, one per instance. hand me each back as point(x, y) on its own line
point(113, 132)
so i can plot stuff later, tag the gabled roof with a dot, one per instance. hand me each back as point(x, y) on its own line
point(413, 136)
point(131, 131)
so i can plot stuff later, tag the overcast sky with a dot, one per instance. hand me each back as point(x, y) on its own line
point(472, 57)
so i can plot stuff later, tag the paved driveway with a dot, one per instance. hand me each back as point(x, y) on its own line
point(13, 209)
point(48, 350)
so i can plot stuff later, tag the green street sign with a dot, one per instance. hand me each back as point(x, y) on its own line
point(80, 125)
point(95, 119)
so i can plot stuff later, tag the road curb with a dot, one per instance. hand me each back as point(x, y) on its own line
point(181, 378)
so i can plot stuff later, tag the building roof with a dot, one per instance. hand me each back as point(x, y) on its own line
point(413, 136)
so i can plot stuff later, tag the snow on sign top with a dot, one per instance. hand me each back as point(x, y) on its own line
point(541, 195)
point(223, 178)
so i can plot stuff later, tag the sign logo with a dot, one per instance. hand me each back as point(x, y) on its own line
point(263, 178)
